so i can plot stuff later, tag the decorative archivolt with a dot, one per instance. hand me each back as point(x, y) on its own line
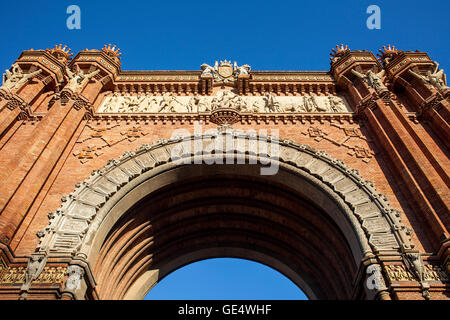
point(73, 226)
point(269, 103)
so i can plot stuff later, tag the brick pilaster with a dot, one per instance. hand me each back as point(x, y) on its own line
point(26, 172)
point(422, 174)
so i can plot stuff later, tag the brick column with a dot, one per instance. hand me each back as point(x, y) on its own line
point(25, 174)
point(421, 174)
point(16, 101)
point(431, 103)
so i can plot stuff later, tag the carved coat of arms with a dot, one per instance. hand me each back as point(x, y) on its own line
point(224, 71)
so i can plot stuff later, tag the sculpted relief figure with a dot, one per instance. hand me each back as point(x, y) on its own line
point(435, 78)
point(78, 79)
point(13, 79)
point(244, 69)
point(36, 264)
point(203, 106)
point(268, 103)
point(321, 106)
point(197, 104)
point(374, 80)
point(337, 104)
point(207, 69)
point(224, 99)
point(310, 104)
point(112, 103)
point(170, 103)
point(192, 105)
point(148, 105)
point(134, 103)
point(272, 105)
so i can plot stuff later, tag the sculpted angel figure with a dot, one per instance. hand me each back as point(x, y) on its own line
point(374, 80)
point(207, 69)
point(78, 79)
point(13, 79)
point(244, 69)
point(435, 78)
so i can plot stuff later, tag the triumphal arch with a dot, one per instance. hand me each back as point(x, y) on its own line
point(112, 179)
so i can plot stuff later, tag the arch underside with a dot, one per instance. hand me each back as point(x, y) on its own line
point(146, 215)
point(203, 218)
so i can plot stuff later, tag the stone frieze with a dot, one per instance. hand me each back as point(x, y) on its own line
point(268, 103)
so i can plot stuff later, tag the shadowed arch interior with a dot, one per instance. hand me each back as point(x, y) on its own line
point(225, 211)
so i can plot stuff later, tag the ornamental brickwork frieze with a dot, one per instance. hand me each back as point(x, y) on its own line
point(13, 101)
point(350, 135)
point(99, 138)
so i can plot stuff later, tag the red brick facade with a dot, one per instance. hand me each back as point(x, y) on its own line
point(396, 135)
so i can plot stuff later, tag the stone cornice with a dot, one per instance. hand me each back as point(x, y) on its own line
point(183, 76)
point(100, 59)
point(350, 59)
point(245, 118)
point(404, 60)
point(46, 61)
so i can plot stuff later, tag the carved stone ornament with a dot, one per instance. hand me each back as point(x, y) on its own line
point(36, 265)
point(374, 80)
point(78, 79)
point(269, 103)
point(16, 77)
point(225, 71)
point(434, 79)
point(414, 262)
point(75, 274)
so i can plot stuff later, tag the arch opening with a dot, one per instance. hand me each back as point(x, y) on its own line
point(225, 279)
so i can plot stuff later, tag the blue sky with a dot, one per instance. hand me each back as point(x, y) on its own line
point(226, 279)
point(268, 35)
